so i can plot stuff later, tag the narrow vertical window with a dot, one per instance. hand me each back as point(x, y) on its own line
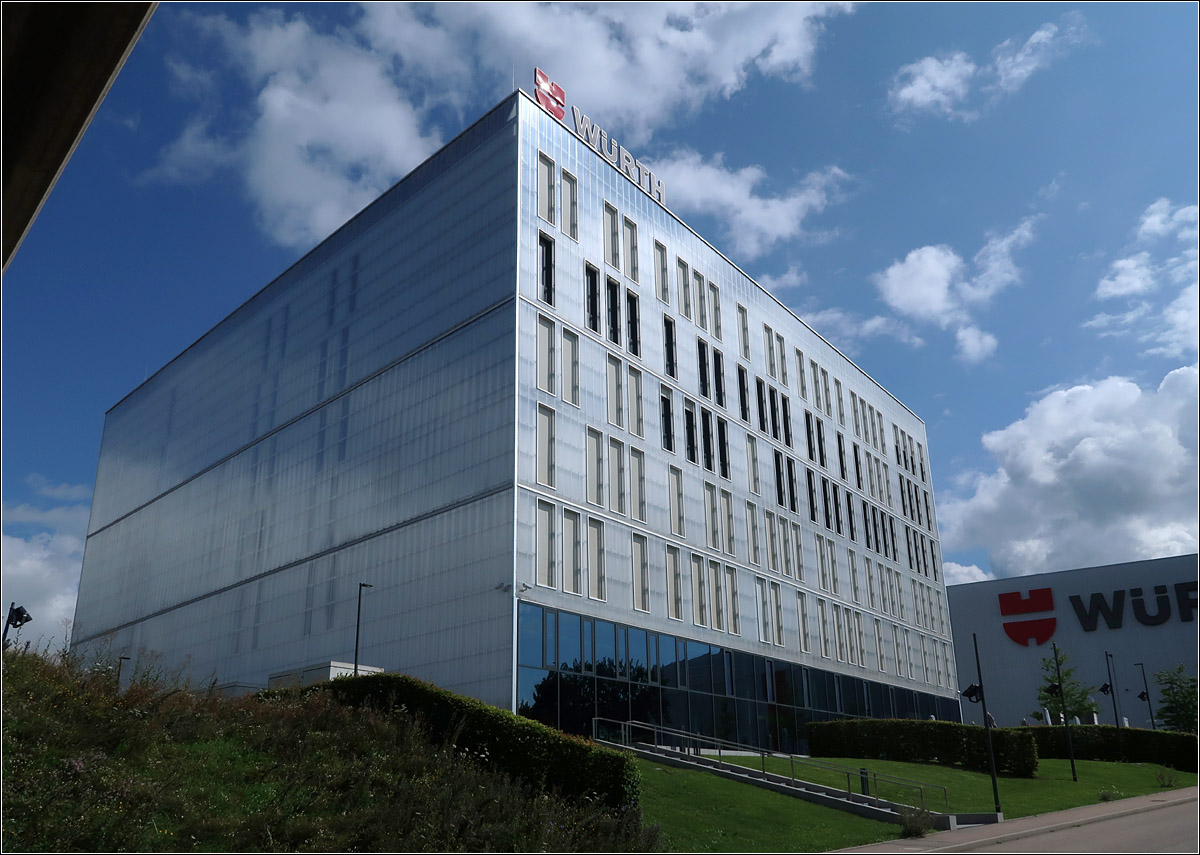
point(633, 324)
point(631, 250)
point(752, 533)
point(854, 414)
point(616, 404)
point(780, 483)
point(545, 446)
point(841, 407)
point(797, 541)
point(674, 585)
point(727, 512)
point(546, 545)
point(853, 565)
point(825, 393)
point(782, 358)
point(879, 660)
point(816, 382)
point(596, 579)
point(592, 276)
point(800, 374)
point(723, 448)
point(718, 595)
point(744, 393)
point(772, 543)
point(752, 463)
point(570, 205)
point(702, 367)
point(706, 436)
point(685, 288)
point(572, 554)
point(769, 347)
point(570, 367)
point(614, 311)
point(595, 467)
point(719, 377)
point(701, 302)
point(774, 413)
point(661, 282)
point(689, 432)
point(612, 237)
point(787, 420)
point(666, 418)
point(545, 354)
point(743, 332)
point(712, 520)
point(762, 404)
point(792, 492)
point(545, 192)
point(675, 500)
point(641, 580)
point(802, 610)
point(672, 366)
point(731, 592)
point(823, 619)
point(637, 484)
point(635, 402)
point(777, 613)
point(616, 476)
point(699, 592)
point(714, 306)
point(764, 610)
point(546, 268)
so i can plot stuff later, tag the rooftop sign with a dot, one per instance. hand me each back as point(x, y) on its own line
point(554, 101)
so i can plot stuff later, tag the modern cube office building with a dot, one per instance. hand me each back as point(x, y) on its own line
point(587, 465)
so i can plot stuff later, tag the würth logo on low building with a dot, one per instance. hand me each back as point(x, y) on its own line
point(1039, 600)
point(550, 95)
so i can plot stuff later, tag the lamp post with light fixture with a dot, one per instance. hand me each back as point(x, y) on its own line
point(358, 623)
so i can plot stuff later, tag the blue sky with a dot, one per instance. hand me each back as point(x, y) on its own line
point(992, 208)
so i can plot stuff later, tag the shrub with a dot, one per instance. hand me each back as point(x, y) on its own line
point(915, 822)
point(1132, 744)
point(925, 741)
point(541, 756)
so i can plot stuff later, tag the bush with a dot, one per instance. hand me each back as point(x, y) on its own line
point(541, 756)
point(1132, 745)
point(925, 741)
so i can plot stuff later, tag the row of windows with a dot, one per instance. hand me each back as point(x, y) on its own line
point(909, 456)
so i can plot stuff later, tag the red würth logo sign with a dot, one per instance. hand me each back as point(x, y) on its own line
point(550, 95)
point(1037, 629)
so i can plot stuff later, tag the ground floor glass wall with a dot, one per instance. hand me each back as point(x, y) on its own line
point(573, 668)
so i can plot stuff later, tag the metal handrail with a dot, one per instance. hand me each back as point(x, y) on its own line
point(692, 742)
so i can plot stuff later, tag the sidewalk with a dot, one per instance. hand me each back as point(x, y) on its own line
point(983, 835)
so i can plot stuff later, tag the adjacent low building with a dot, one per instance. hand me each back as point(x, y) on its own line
point(1118, 624)
point(589, 467)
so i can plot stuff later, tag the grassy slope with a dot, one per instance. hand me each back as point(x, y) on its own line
point(700, 812)
point(969, 792)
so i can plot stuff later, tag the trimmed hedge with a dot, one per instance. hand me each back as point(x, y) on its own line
point(925, 741)
point(540, 756)
point(1099, 742)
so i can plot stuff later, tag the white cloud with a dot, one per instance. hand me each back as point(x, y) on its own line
point(1127, 277)
point(752, 222)
point(974, 345)
point(932, 285)
point(71, 492)
point(943, 86)
point(41, 573)
point(922, 285)
point(338, 115)
point(1168, 329)
point(958, 574)
point(1013, 65)
point(1090, 475)
point(791, 278)
point(933, 85)
point(847, 330)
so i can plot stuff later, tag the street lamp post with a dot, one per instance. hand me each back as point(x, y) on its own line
point(1145, 695)
point(975, 693)
point(121, 660)
point(1110, 689)
point(1062, 699)
point(358, 624)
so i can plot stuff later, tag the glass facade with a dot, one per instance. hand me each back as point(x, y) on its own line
point(571, 668)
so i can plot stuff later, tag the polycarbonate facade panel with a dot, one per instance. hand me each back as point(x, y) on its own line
point(717, 326)
point(353, 422)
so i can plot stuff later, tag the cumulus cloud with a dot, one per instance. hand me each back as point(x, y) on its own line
point(942, 86)
point(339, 114)
point(958, 574)
point(1091, 474)
point(752, 222)
point(847, 330)
point(1162, 255)
point(933, 85)
point(791, 278)
point(934, 285)
point(41, 555)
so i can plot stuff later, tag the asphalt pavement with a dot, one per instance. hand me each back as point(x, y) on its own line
point(1038, 831)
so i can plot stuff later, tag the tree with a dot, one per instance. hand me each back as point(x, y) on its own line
point(1072, 695)
point(1177, 707)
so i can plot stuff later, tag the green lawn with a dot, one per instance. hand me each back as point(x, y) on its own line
point(701, 812)
point(970, 792)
